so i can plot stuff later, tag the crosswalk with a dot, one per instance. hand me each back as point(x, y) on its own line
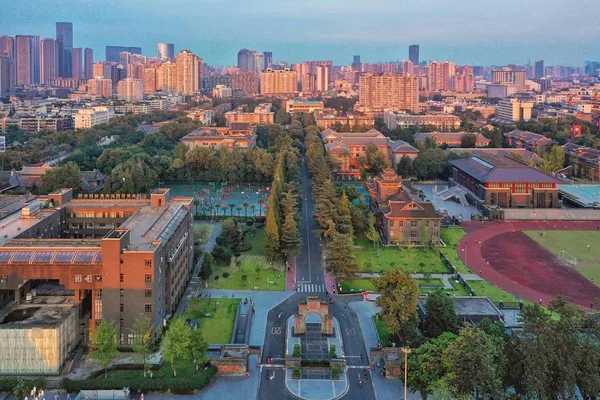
point(310, 288)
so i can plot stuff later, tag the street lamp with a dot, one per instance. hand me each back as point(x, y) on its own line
point(406, 352)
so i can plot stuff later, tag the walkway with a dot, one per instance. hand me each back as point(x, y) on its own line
point(445, 278)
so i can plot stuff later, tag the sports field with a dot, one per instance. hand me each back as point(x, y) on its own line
point(583, 245)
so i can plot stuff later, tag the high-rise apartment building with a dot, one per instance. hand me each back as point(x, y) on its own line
point(166, 78)
point(378, 91)
point(268, 56)
point(24, 51)
point(117, 72)
point(188, 73)
point(48, 60)
point(165, 51)
point(64, 38)
point(322, 78)
point(150, 84)
point(78, 63)
point(7, 46)
point(407, 67)
point(88, 63)
point(510, 76)
point(7, 75)
point(539, 69)
point(251, 60)
point(131, 89)
point(135, 70)
point(413, 54)
point(313, 65)
point(101, 70)
point(101, 87)
point(112, 52)
point(309, 83)
point(282, 81)
point(244, 81)
point(439, 75)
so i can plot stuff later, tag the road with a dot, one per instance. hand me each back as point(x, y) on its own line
point(309, 273)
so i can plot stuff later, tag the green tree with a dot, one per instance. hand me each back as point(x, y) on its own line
point(372, 233)
point(399, 294)
point(344, 222)
point(553, 160)
point(376, 160)
point(472, 362)
point(405, 167)
point(340, 257)
point(66, 176)
point(290, 235)
point(198, 347)
point(282, 117)
point(440, 314)
point(469, 140)
point(271, 239)
point(176, 342)
point(207, 266)
point(430, 163)
point(143, 336)
point(426, 368)
point(104, 344)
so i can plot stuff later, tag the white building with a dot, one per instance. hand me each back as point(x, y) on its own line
point(131, 89)
point(514, 110)
point(89, 117)
point(222, 92)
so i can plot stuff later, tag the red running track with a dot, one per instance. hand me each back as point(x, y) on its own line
point(501, 254)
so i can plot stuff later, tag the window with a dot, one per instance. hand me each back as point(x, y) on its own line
point(147, 263)
point(98, 293)
point(391, 224)
point(148, 293)
point(97, 322)
point(147, 307)
point(413, 224)
point(122, 307)
point(97, 278)
point(77, 278)
point(121, 277)
point(121, 292)
point(435, 224)
point(413, 234)
point(147, 278)
point(87, 278)
point(426, 224)
point(400, 224)
point(3, 278)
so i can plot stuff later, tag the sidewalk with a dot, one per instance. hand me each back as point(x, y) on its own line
point(290, 277)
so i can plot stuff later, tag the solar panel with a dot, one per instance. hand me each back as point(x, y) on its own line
point(22, 256)
point(5, 256)
point(43, 257)
point(98, 257)
point(85, 256)
point(64, 256)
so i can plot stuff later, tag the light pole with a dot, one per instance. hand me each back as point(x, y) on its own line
point(406, 352)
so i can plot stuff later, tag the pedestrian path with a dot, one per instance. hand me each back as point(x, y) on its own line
point(310, 288)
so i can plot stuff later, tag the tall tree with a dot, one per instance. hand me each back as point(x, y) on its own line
point(176, 342)
point(66, 176)
point(372, 233)
point(426, 368)
point(143, 336)
point(271, 239)
point(290, 235)
point(340, 258)
point(440, 314)
point(197, 347)
point(344, 222)
point(469, 140)
point(405, 167)
point(207, 266)
point(399, 294)
point(104, 344)
point(553, 160)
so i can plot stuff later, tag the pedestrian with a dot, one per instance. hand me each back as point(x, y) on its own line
point(56, 395)
point(540, 301)
point(253, 310)
point(68, 396)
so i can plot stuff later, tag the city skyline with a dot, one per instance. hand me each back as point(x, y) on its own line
point(295, 36)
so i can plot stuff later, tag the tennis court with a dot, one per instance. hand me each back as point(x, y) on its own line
point(216, 198)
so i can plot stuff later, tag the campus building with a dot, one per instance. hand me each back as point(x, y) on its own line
point(347, 147)
point(262, 115)
point(495, 180)
point(451, 139)
point(585, 161)
point(402, 120)
point(303, 106)
point(328, 118)
point(402, 219)
point(116, 257)
point(511, 110)
point(89, 117)
point(237, 136)
point(528, 140)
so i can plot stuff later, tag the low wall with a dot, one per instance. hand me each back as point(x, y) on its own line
point(551, 214)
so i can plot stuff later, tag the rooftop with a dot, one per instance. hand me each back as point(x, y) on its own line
point(469, 306)
point(42, 311)
point(497, 168)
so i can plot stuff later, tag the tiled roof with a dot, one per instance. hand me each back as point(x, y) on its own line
point(529, 137)
point(492, 168)
point(442, 137)
point(409, 209)
point(583, 152)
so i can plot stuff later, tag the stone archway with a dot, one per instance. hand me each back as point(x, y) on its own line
point(313, 305)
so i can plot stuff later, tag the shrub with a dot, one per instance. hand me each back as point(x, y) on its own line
point(216, 277)
point(225, 275)
point(243, 247)
point(221, 254)
point(315, 363)
point(221, 240)
point(9, 384)
point(332, 351)
point(250, 222)
point(335, 373)
point(297, 350)
point(296, 373)
point(261, 219)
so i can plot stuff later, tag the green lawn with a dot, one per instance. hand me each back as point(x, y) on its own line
point(199, 227)
point(384, 335)
point(451, 237)
point(414, 260)
point(270, 276)
point(360, 285)
point(484, 288)
point(576, 244)
point(218, 327)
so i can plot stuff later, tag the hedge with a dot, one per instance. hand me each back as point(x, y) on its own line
point(9, 384)
point(180, 385)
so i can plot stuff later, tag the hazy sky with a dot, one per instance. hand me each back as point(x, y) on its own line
point(479, 32)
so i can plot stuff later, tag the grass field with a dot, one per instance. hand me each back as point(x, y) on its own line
point(269, 276)
point(575, 243)
point(384, 335)
point(217, 328)
point(202, 231)
point(360, 285)
point(451, 237)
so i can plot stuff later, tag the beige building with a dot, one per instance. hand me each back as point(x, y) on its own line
point(89, 117)
point(188, 74)
point(303, 106)
point(150, 83)
point(442, 122)
point(237, 136)
point(166, 77)
point(131, 89)
point(514, 110)
point(245, 81)
point(101, 87)
point(379, 91)
point(510, 76)
point(308, 83)
point(48, 60)
point(439, 75)
point(322, 78)
point(281, 81)
point(262, 115)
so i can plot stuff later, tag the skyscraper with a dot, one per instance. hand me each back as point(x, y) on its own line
point(510, 76)
point(268, 59)
point(88, 63)
point(112, 52)
point(64, 39)
point(251, 60)
point(7, 46)
point(322, 78)
point(166, 51)
point(539, 69)
point(395, 91)
point(7, 75)
point(356, 65)
point(48, 60)
point(187, 72)
point(413, 53)
point(24, 59)
point(78, 63)
point(439, 75)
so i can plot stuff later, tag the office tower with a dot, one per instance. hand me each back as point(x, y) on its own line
point(88, 63)
point(539, 69)
point(24, 59)
point(165, 51)
point(64, 39)
point(244, 81)
point(413, 54)
point(322, 78)
point(187, 72)
point(117, 72)
point(48, 60)
point(510, 76)
point(135, 70)
point(7, 75)
point(130, 89)
point(98, 70)
point(268, 59)
point(308, 83)
point(112, 52)
point(166, 77)
point(356, 64)
point(102, 87)
point(150, 77)
point(7, 46)
point(282, 81)
point(77, 63)
point(394, 91)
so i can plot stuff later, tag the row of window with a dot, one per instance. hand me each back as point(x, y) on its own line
point(93, 278)
point(92, 214)
point(413, 224)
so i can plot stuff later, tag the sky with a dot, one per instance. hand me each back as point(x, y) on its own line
point(475, 32)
